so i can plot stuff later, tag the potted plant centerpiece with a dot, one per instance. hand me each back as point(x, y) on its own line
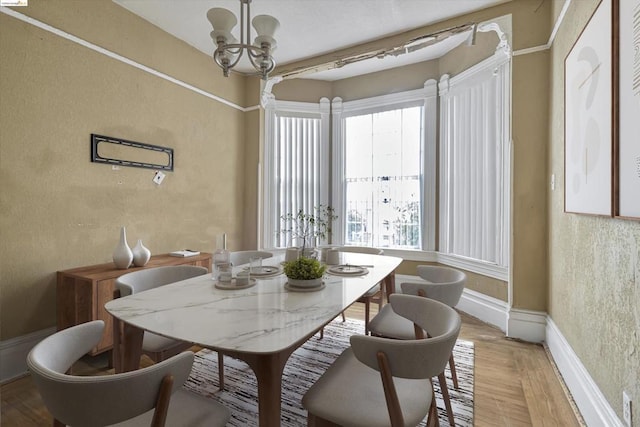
point(306, 270)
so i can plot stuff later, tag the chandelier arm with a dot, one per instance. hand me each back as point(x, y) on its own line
point(220, 51)
point(257, 64)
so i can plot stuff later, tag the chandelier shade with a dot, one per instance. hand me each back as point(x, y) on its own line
point(229, 52)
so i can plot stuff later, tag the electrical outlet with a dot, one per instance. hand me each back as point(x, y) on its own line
point(158, 177)
point(626, 408)
point(553, 181)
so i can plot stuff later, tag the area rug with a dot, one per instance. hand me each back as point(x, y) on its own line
point(304, 367)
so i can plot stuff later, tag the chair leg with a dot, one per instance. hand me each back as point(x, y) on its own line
point(221, 370)
point(344, 319)
point(445, 396)
point(452, 368)
point(432, 417)
point(321, 333)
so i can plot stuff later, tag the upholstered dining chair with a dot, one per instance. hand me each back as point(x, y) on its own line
point(157, 347)
point(376, 293)
point(243, 257)
point(382, 381)
point(439, 283)
point(152, 396)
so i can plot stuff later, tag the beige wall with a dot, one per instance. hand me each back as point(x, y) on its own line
point(57, 209)
point(594, 262)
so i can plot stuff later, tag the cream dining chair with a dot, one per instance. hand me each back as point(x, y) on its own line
point(439, 283)
point(382, 381)
point(157, 347)
point(243, 257)
point(151, 396)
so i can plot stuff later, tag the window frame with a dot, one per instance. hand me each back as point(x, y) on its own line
point(427, 97)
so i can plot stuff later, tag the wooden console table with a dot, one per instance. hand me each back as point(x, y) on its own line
point(81, 293)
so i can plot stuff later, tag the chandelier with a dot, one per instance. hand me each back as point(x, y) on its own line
point(229, 52)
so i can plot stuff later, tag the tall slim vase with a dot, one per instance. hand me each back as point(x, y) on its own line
point(122, 255)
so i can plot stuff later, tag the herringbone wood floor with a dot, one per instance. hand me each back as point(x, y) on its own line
point(515, 384)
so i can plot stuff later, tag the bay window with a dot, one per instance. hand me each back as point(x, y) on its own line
point(380, 168)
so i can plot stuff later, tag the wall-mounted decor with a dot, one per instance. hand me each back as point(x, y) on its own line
point(589, 118)
point(628, 150)
point(121, 152)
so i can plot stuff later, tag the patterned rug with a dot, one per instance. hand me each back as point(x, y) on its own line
point(304, 367)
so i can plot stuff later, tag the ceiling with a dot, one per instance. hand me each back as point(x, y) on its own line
point(310, 28)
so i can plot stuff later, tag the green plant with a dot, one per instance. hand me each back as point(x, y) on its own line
point(306, 226)
point(304, 268)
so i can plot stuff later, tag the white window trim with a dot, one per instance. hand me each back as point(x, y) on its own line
point(271, 108)
point(428, 96)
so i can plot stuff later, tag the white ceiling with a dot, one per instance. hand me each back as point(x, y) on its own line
point(310, 28)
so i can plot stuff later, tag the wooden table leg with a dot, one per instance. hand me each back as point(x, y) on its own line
point(390, 284)
point(268, 369)
point(132, 343)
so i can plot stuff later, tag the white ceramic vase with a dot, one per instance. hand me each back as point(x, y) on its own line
point(122, 255)
point(141, 254)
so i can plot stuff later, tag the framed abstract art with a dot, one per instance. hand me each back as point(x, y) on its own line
point(589, 117)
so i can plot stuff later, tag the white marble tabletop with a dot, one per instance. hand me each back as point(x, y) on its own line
point(265, 318)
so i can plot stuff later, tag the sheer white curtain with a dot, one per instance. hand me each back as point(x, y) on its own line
point(474, 161)
point(296, 164)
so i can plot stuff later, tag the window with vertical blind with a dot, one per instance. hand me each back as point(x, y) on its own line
point(475, 163)
point(297, 169)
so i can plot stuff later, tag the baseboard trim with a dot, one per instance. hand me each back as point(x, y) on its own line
point(13, 353)
point(488, 309)
point(527, 325)
point(593, 406)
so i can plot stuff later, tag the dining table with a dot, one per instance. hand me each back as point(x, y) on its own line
point(261, 323)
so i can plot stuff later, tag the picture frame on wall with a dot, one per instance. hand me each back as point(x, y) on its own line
point(589, 117)
point(627, 176)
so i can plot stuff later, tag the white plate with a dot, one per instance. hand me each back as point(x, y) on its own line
point(348, 270)
point(232, 285)
point(290, 288)
point(265, 270)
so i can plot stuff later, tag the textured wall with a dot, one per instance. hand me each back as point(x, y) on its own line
point(594, 262)
point(57, 209)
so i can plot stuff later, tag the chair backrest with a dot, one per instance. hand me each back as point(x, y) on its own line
point(416, 359)
point(360, 250)
point(442, 284)
point(243, 257)
point(96, 400)
point(143, 280)
point(440, 274)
